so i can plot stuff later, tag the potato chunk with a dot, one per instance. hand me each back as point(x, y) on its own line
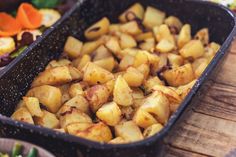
point(74, 128)
point(152, 130)
point(53, 76)
point(126, 61)
point(122, 93)
point(173, 22)
point(97, 95)
point(75, 89)
point(78, 102)
point(49, 96)
point(117, 140)
point(135, 11)
point(129, 131)
point(99, 132)
point(106, 63)
point(184, 35)
point(93, 74)
point(73, 47)
point(185, 89)
point(73, 115)
point(133, 77)
point(48, 120)
point(33, 106)
point(179, 75)
point(22, 114)
point(163, 32)
point(165, 46)
point(143, 119)
point(151, 82)
point(203, 36)
point(193, 49)
point(175, 60)
point(153, 17)
point(113, 45)
point(127, 41)
point(131, 28)
point(99, 28)
point(157, 104)
point(169, 93)
point(109, 113)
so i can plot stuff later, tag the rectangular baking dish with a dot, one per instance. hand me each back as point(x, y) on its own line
point(15, 80)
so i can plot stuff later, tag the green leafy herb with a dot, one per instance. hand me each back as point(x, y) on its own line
point(17, 149)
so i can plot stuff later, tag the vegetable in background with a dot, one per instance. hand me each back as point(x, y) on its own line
point(17, 149)
point(18, 52)
point(45, 3)
point(8, 25)
point(33, 152)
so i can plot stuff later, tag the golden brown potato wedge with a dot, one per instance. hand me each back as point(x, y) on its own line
point(22, 114)
point(151, 82)
point(33, 106)
point(184, 35)
point(133, 77)
point(165, 46)
point(126, 62)
point(175, 60)
point(73, 47)
point(53, 76)
point(143, 119)
point(99, 28)
point(185, 89)
point(93, 74)
point(179, 75)
point(127, 41)
point(173, 22)
point(97, 95)
point(91, 46)
point(122, 94)
point(75, 89)
point(144, 36)
point(152, 130)
point(135, 11)
point(100, 53)
point(73, 115)
point(61, 62)
point(106, 63)
point(113, 45)
point(153, 17)
point(203, 36)
point(193, 49)
point(129, 131)
point(131, 28)
point(99, 132)
point(163, 32)
point(157, 104)
point(48, 120)
point(49, 96)
point(74, 128)
point(109, 113)
point(148, 45)
point(117, 140)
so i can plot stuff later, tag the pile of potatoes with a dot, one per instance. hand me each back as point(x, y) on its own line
point(124, 82)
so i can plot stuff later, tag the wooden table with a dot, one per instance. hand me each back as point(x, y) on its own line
point(209, 129)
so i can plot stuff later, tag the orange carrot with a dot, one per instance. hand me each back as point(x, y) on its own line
point(28, 16)
point(8, 25)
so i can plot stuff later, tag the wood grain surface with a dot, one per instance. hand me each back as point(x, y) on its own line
point(209, 127)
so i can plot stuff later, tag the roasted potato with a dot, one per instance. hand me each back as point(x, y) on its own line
point(173, 23)
point(49, 96)
point(152, 130)
point(192, 49)
point(109, 113)
point(143, 119)
point(22, 114)
point(117, 140)
point(157, 104)
point(126, 62)
point(73, 47)
point(106, 63)
point(74, 128)
point(179, 75)
point(91, 46)
point(184, 35)
point(113, 45)
point(99, 28)
point(153, 17)
point(101, 52)
point(122, 94)
point(135, 11)
point(203, 36)
point(93, 74)
point(151, 82)
point(97, 132)
point(127, 41)
point(48, 120)
point(33, 106)
point(131, 28)
point(97, 96)
point(133, 77)
point(83, 61)
point(73, 115)
point(162, 32)
point(53, 76)
point(75, 89)
point(129, 131)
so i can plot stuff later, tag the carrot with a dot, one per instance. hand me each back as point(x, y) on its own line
point(8, 25)
point(28, 16)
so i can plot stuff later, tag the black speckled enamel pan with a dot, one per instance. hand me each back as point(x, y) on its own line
point(15, 80)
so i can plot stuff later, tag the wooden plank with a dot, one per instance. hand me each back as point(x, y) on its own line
point(220, 102)
point(227, 74)
point(233, 47)
point(175, 152)
point(204, 134)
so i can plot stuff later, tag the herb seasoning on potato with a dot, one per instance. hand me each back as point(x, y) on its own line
point(124, 82)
